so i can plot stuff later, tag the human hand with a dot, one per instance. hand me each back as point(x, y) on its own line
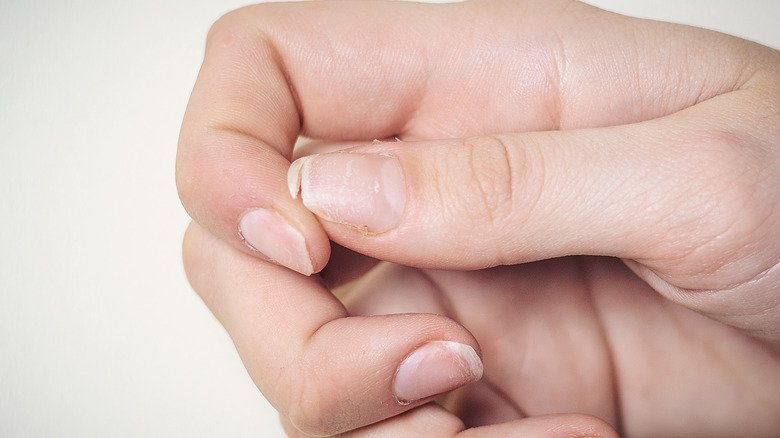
point(682, 183)
point(573, 335)
point(584, 334)
point(327, 370)
point(623, 191)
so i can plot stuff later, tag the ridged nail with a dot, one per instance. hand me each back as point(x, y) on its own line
point(270, 234)
point(435, 368)
point(366, 191)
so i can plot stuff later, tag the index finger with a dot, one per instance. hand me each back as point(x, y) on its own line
point(234, 148)
point(354, 70)
point(244, 117)
point(340, 71)
point(324, 370)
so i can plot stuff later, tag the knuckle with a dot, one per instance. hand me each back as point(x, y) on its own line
point(726, 175)
point(489, 187)
point(310, 410)
point(489, 180)
point(227, 24)
point(243, 30)
point(220, 27)
point(726, 198)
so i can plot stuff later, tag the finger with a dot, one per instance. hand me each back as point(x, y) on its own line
point(482, 404)
point(665, 356)
point(393, 289)
point(323, 370)
point(430, 421)
point(678, 194)
point(435, 422)
point(234, 148)
point(543, 345)
point(330, 71)
point(585, 335)
point(425, 421)
point(266, 78)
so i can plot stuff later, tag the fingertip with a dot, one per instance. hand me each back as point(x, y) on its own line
point(276, 238)
point(436, 368)
point(238, 197)
point(349, 372)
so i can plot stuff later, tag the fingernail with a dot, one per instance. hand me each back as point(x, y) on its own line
point(435, 368)
point(366, 191)
point(270, 234)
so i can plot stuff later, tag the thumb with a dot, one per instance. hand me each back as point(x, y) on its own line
point(505, 199)
point(689, 201)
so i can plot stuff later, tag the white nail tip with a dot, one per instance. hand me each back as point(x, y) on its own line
point(294, 176)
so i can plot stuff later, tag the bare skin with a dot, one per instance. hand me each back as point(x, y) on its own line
point(528, 131)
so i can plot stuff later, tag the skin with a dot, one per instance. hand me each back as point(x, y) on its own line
point(530, 132)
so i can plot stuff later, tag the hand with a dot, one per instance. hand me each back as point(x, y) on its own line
point(576, 334)
point(584, 334)
point(682, 187)
point(327, 372)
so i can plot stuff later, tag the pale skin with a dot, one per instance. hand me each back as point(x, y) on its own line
point(529, 132)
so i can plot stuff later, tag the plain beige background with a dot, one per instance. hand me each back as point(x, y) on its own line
point(100, 334)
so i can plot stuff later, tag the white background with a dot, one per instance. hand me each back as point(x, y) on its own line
point(100, 334)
